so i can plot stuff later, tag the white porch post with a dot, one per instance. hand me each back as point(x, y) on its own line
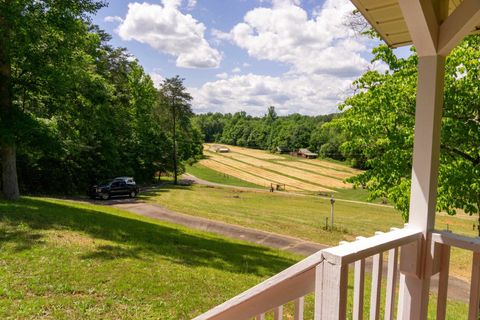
point(426, 151)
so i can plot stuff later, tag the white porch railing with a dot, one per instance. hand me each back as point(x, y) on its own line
point(326, 274)
point(442, 241)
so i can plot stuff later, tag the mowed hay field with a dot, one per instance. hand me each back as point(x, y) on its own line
point(263, 168)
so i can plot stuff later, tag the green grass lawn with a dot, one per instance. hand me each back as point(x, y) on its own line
point(64, 260)
point(208, 174)
point(60, 260)
point(300, 216)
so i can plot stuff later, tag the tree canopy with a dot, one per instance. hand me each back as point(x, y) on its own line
point(74, 109)
point(378, 122)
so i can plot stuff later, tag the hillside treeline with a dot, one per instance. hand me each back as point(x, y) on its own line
point(272, 131)
point(74, 109)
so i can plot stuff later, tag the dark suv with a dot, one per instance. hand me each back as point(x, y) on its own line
point(121, 186)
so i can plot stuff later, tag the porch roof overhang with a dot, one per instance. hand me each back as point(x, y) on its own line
point(388, 19)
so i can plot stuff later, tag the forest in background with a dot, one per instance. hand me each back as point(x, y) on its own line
point(271, 131)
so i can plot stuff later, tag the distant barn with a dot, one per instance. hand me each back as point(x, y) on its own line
point(219, 149)
point(305, 153)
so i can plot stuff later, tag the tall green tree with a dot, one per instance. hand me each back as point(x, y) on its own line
point(176, 100)
point(38, 44)
point(379, 124)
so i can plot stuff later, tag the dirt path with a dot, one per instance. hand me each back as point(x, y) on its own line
point(458, 289)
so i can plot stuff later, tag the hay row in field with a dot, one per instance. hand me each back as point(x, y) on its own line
point(260, 154)
point(331, 165)
point(292, 172)
point(239, 174)
point(279, 178)
point(316, 169)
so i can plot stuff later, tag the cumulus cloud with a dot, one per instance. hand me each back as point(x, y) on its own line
point(285, 33)
point(236, 70)
point(322, 54)
point(168, 30)
point(306, 94)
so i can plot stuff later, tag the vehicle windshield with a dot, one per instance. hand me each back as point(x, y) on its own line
point(105, 183)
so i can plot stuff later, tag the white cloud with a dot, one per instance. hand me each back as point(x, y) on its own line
point(246, 65)
point(170, 31)
point(157, 79)
point(306, 94)
point(222, 75)
point(322, 54)
point(113, 19)
point(236, 70)
point(191, 4)
point(285, 33)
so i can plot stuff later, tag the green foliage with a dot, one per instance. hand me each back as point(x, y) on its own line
point(81, 110)
point(175, 111)
point(270, 131)
point(379, 125)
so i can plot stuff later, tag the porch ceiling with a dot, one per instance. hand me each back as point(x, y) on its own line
point(387, 19)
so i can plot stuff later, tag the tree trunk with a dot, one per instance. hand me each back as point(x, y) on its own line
point(175, 166)
point(7, 145)
point(9, 172)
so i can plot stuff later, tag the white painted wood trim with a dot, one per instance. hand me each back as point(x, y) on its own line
point(475, 288)
point(392, 271)
point(299, 308)
point(359, 289)
point(455, 240)
point(278, 313)
point(261, 316)
point(422, 25)
point(331, 291)
point(376, 286)
point(294, 282)
point(443, 281)
point(364, 248)
point(426, 155)
point(458, 25)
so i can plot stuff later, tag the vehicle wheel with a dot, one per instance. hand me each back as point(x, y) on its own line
point(133, 194)
point(105, 196)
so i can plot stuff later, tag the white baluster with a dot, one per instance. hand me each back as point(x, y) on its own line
point(359, 287)
point(391, 283)
point(299, 305)
point(376, 286)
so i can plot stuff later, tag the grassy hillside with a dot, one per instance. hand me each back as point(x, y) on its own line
point(60, 260)
point(300, 216)
point(208, 174)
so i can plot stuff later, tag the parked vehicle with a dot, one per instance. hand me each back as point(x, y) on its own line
point(121, 186)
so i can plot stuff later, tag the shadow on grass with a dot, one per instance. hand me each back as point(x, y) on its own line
point(24, 220)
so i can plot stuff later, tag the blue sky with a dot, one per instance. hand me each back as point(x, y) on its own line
point(298, 55)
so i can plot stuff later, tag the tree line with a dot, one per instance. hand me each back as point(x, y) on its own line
point(74, 109)
point(271, 131)
point(375, 130)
